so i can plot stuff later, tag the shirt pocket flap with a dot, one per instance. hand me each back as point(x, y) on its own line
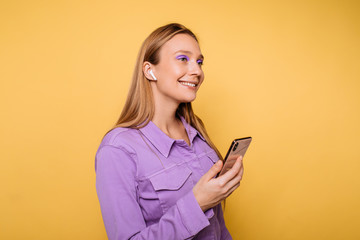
point(171, 179)
point(213, 156)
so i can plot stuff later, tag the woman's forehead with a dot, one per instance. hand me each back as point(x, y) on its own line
point(181, 43)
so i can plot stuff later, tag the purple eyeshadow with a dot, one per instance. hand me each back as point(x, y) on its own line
point(180, 57)
point(183, 56)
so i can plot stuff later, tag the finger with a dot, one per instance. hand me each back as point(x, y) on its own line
point(238, 171)
point(236, 180)
point(233, 182)
point(213, 171)
point(226, 177)
point(241, 170)
point(231, 190)
point(239, 176)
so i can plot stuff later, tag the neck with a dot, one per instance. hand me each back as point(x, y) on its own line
point(165, 111)
point(165, 118)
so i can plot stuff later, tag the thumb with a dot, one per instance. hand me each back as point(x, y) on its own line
point(215, 169)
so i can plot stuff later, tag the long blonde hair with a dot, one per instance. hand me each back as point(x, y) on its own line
point(139, 107)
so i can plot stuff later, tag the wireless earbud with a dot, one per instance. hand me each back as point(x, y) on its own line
point(152, 74)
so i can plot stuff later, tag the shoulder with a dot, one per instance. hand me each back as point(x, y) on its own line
point(122, 138)
point(118, 145)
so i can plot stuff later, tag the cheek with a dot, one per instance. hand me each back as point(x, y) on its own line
point(175, 70)
point(202, 78)
point(178, 72)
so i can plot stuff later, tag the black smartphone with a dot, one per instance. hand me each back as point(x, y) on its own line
point(237, 148)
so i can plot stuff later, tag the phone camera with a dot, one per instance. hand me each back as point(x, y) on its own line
point(236, 145)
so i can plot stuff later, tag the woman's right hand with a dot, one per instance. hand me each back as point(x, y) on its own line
point(210, 191)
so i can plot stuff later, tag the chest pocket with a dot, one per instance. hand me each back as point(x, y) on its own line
point(213, 157)
point(208, 160)
point(171, 184)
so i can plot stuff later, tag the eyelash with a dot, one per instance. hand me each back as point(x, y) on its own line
point(184, 57)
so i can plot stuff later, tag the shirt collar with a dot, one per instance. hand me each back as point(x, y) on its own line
point(163, 142)
point(191, 131)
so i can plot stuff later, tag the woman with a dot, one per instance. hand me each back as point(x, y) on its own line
point(155, 169)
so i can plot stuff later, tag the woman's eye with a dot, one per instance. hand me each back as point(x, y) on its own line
point(183, 58)
point(200, 62)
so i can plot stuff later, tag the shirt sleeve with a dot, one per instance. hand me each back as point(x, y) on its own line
point(122, 216)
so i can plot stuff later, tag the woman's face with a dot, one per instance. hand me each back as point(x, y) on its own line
point(179, 74)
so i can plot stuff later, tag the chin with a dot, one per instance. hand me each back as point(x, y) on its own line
point(189, 99)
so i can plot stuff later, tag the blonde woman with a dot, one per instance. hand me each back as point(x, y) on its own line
point(155, 170)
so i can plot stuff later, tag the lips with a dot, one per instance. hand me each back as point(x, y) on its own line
point(190, 84)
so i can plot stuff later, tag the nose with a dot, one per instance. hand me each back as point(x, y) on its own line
point(195, 69)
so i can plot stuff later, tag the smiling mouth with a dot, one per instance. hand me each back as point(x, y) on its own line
point(188, 84)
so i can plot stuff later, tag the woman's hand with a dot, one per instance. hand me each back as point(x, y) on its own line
point(210, 191)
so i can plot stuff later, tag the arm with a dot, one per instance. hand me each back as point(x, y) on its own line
point(116, 188)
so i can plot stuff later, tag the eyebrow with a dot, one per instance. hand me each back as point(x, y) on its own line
point(188, 52)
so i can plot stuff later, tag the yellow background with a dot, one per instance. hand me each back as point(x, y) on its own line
point(285, 72)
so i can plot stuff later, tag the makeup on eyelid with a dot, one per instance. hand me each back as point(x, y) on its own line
point(199, 61)
point(183, 56)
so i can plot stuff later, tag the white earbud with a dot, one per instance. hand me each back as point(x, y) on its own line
point(152, 74)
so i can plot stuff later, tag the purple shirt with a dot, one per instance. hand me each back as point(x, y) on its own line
point(144, 182)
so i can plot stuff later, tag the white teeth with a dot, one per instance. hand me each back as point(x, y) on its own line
point(188, 84)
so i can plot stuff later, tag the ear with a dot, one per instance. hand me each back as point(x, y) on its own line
point(146, 70)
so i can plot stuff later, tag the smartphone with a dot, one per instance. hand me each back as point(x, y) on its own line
point(237, 148)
